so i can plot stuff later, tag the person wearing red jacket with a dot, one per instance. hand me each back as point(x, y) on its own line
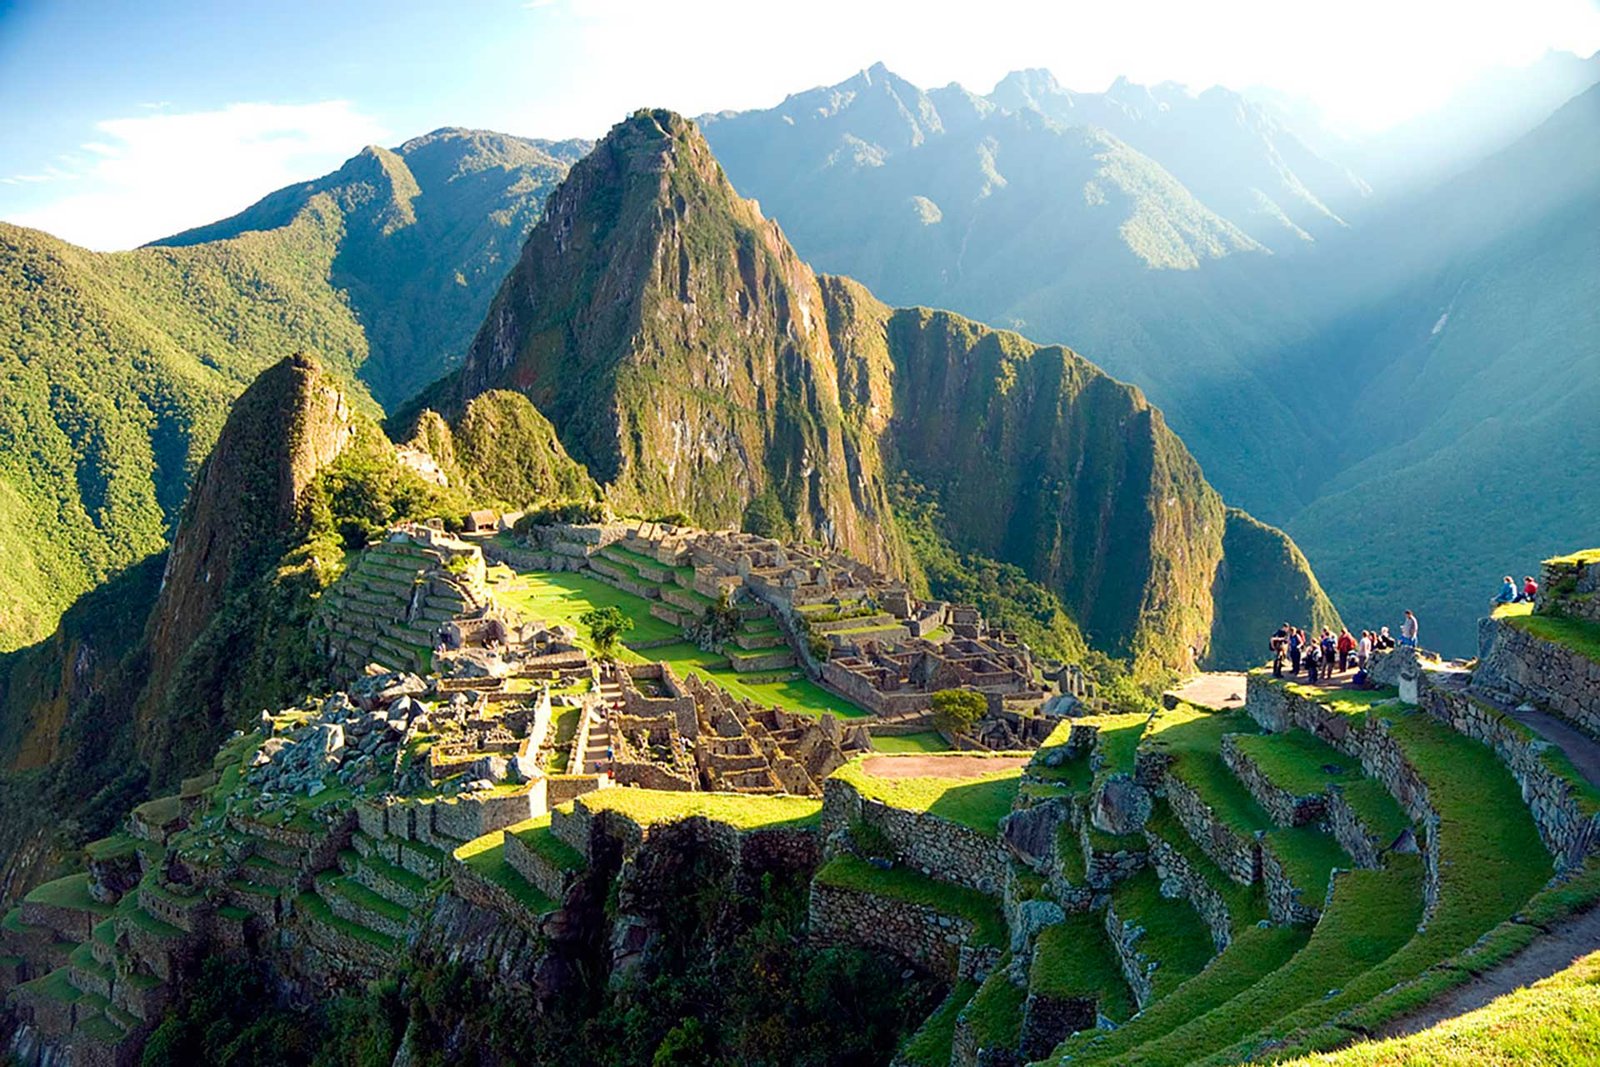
point(1347, 645)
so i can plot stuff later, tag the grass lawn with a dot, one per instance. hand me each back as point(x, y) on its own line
point(1075, 959)
point(1308, 856)
point(565, 728)
point(1578, 635)
point(1504, 611)
point(795, 692)
point(927, 741)
point(650, 806)
point(1556, 1020)
point(978, 803)
point(69, 892)
point(563, 596)
point(902, 883)
point(1117, 740)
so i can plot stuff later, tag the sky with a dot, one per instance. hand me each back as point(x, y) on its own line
point(121, 123)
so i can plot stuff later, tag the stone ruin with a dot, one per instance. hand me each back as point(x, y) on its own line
point(689, 735)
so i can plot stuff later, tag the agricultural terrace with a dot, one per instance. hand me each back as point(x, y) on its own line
point(564, 597)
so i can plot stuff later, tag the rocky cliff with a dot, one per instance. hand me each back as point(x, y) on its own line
point(681, 348)
point(248, 498)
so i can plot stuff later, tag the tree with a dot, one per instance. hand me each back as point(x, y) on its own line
point(605, 626)
point(956, 710)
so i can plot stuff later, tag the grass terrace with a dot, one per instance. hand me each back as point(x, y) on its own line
point(1075, 959)
point(978, 803)
point(1308, 856)
point(314, 907)
point(930, 1045)
point(563, 596)
point(1117, 741)
point(1191, 736)
point(1555, 1021)
point(1174, 934)
point(926, 741)
point(788, 689)
point(1254, 954)
point(648, 807)
point(1375, 807)
point(995, 1013)
point(536, 835)
point(908, 886)
point(1491, 863)
point(486, 857)
point(1296, 761)
point(71, 892)
point(1372, 914)
point(1577, 635)
point(1246, 904)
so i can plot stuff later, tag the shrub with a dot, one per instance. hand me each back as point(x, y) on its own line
point(956, 710)
point(605, 626)
point(567, 512)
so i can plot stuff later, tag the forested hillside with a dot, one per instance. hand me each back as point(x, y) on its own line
point(117, 368)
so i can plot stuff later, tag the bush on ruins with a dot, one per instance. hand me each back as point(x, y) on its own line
point(956, 710)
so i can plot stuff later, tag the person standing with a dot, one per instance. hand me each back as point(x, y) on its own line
point(1297, 642)
point(1408, 630)
point(1364, 650)
point(1347, 645)
point(1311, 656)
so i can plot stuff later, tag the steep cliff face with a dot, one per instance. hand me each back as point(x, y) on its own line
point(681, 348)
point(1262, 571)
point(247, 499)
point(503, 449)
point(1041, 460)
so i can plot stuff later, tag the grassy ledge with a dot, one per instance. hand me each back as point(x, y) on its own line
point(908, 886)
point(648, 807)
point(978, 803)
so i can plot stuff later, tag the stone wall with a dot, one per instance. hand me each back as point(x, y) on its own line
point(1179, 876)
point(1286, 808)
point(1569, 827)
point(1137, 968)
point(937, 847)
point(1047, 1021)
point(1288, 903)
point(1353, 835)
point(1238, 856)
point(914, 932)
point(1553, 676)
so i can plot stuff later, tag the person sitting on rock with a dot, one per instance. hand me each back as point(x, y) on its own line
point(1384, 641)
point(1508, 591)
point(1530, 589)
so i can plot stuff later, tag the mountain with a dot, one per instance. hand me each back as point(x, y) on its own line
point(681, 348)
point(687, 356)
point(1067, 233)
point(118, 368)
point(1463, 325)
point(1232, 154)
point(145, 674)
point(426, 233)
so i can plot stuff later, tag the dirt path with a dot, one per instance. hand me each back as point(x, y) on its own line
point(1551, 953)
point(939, 766)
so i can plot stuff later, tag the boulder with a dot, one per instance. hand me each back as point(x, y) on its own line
point(1033, 916)
point(1031, 832)
point(1120, 805)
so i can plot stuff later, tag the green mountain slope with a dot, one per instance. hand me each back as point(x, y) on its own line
point(1473, 376)
point(1005, 211)
point(687, 356)
point(117, 369)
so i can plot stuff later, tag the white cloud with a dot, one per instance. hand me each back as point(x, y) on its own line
point(157, 174)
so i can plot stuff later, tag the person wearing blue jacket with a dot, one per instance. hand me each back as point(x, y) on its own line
point(1508, 592)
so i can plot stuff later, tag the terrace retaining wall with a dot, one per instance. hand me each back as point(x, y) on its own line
point(935, 846)
point(1527, 668)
